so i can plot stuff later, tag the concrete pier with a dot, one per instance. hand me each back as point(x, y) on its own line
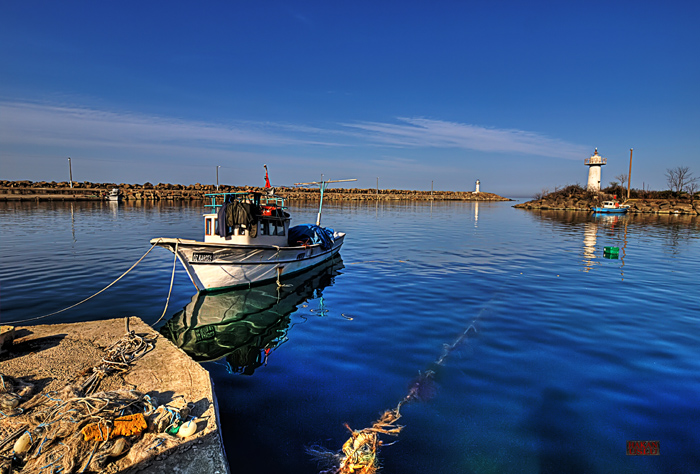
point(53, 356)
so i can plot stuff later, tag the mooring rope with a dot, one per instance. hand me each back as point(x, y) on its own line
point(90, 297)
point(172, 278)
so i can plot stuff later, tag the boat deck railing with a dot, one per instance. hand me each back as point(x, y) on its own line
point(257, 198)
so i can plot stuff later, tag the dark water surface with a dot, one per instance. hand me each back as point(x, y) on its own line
point(568, 354)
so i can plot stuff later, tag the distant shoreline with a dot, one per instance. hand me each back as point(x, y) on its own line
point(571, 199)
point(86, 191)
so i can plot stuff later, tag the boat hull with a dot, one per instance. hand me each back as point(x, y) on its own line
point(245, 322)
point(617, 210)
point(218, 266)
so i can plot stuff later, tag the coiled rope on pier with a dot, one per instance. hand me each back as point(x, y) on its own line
point(119, 358)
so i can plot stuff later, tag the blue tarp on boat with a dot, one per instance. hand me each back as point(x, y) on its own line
point(311, 234)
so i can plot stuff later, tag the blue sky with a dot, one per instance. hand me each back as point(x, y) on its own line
point(516, 94)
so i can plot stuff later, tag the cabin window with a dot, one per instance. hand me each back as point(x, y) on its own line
point(271, 227)
point(241, 230)
point(207, 227)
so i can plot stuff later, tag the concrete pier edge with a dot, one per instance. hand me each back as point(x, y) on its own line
point(53, 355)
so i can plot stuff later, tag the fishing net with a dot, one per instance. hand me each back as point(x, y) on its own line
point(76, 429)
point(67, 431)
point(359, 454)
point(360, 451)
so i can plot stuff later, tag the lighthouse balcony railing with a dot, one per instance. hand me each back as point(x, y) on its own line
point(595, 161)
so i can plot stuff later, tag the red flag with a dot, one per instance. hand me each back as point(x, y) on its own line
point(267, 180)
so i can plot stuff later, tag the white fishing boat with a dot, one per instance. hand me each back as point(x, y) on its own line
point(248, 240)
point(114, 195)
point(246, 324)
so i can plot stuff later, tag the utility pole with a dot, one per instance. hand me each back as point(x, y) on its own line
point(629, 176)
point(70, 173)
point(217, 177)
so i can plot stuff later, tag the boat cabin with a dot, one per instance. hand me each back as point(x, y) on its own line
point(246, 218)
point(114, 195)
point(610, 204)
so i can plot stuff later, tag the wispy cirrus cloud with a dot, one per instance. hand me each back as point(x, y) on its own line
point(25, 123)
point(427, 133)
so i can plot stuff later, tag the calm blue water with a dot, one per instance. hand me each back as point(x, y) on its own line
point(571, 354)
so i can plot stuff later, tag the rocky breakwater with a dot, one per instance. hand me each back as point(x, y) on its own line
point(62, 191)
point(356, 194)
point(87, 191)
point(569, 199)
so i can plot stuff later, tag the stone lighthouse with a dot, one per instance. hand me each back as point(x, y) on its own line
point(594, 163)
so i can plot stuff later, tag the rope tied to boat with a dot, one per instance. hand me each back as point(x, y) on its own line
point(90, 297)
point(172, 278)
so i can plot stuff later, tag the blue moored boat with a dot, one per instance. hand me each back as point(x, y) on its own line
point(612, 207)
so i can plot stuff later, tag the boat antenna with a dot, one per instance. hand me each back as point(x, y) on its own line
point(322, 185)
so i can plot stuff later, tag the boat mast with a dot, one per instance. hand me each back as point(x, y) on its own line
point(629, 176)
point(322, 185)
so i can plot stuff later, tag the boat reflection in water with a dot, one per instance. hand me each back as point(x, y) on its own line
point(244, 326)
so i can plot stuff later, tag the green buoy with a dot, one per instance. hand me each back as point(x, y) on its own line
point(611, 252)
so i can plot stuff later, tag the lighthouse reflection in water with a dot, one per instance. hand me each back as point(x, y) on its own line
point(245, 326)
